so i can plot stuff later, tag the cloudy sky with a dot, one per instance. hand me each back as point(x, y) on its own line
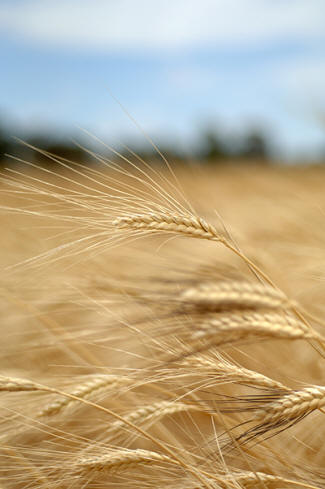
point(175, 65)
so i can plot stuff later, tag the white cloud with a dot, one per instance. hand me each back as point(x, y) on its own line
point(305, 77)
point(112, 25)
point(300, 81)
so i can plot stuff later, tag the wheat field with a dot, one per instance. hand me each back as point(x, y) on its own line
point(162, 328)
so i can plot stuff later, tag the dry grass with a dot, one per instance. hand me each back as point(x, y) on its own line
point(134, 359)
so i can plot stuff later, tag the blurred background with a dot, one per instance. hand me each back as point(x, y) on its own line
point(207, 80)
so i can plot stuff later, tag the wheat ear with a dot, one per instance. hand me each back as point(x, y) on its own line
point(251, 479)
point(292, 406)
point(13, 384)
point(232, 327)
point(152, 412)
point(172, 223)
point(224, 371)
point(234, 294)
point(122, 460)
point(86, 390)
point(278, 412)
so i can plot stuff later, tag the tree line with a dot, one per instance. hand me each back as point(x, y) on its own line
point(211, 146)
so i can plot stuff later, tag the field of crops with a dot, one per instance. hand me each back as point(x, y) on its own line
point(161, 329)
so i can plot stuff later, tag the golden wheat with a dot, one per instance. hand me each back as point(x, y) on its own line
point(170, 357)
point(221, 370)
point(122, 460)
point(92, 386)
point(234, 294)
point(231, 327)
point(171, 223)
point(293, 405)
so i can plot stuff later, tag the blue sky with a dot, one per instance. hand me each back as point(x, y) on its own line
point(175, 66)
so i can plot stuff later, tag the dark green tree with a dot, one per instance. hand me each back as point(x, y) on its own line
point(4, 144)
point(211, 147)
point(255, 146)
